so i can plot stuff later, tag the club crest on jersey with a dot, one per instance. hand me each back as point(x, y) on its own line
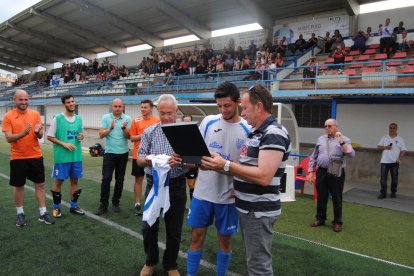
point(215, 145)
point(243, 150)
point(139, 119)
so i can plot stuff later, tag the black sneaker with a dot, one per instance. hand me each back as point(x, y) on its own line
point(20, 220)
point(393, 195)
point(381, 196)
point(46, 218)
point(116, 209)
point(138, 210)
point(77, 211)
point(101, 209)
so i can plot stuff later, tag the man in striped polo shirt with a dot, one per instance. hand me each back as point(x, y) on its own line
point(257, 177)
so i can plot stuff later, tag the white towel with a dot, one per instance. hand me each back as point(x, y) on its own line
point(159, 196)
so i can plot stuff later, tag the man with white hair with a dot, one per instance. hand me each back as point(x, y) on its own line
point(154, 142)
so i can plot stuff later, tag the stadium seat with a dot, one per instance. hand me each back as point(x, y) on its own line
point(394, 63)
point(408, 70)
point(370, 52)
point(363, 58)
point(356, 65)
point(411, 62)
point(374, 63)
point(301, 174)
point(349, 58)
point(354, 53)
point(350, 72)
point(374, 46)
point(368, 70)
point(400, 55)
point(380, 56)
point(329, 60)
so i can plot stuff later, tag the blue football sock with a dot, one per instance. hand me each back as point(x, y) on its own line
point(223, 261)
point(73, 204)
point(56, 206)
point(193, 262)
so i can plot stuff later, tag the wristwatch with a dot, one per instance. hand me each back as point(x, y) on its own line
point(343, 143)
point(226, 167)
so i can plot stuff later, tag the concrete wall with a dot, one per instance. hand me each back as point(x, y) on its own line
point(365, 124)
point(396, 15)
point(365, 167)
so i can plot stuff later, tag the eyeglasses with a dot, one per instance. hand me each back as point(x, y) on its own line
point(328, 126)
point(254, 91)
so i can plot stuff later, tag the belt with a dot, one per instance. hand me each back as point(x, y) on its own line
point(173, 180)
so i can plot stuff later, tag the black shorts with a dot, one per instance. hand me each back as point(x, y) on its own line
point(192, 173)
point(137, 170)
point(22, 169)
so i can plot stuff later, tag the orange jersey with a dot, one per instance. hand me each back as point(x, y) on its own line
point(15, 122)
point(138, 125)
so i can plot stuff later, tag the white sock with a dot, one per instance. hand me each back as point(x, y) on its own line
point(42, 210)
point(19, 210)
point(137, 203)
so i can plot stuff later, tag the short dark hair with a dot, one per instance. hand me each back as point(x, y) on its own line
point(259, 93)
point(188, 115)
point(227, 89)
point(148, 102)
point(65, 97)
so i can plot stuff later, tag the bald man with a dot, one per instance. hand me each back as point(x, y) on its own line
point(115, 129)
point(329, 147)
point(22, 128)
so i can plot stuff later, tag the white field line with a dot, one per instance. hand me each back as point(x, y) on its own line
point(343, 250)
point(128, 231)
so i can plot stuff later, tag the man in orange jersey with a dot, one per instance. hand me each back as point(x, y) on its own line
point(23, 127)
point(138, 125)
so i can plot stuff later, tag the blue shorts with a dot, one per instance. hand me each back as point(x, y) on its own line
point(202, 212)
point(63, 171)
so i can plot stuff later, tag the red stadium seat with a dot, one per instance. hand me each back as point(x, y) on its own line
point(373, 46)
point(350, 72)
point(368, 70)
point(356, 65)
point(348, 59)
point(411, 62)
point(400, 55)
point(363, 58)
point(408, 70)
point(329, 60)
point(380, 56)
point(370, 51)
point(374, 63)
point(394, 63)
point(354, 53)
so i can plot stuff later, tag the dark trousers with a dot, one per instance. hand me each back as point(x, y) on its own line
point(111, 162)
point(385, 168)
point(386, 43)
point(173, 226)
point(328, 184)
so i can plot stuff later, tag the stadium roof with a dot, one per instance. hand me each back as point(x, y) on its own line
point(61, 30)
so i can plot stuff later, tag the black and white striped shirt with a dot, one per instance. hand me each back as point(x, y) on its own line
point(251, 197)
